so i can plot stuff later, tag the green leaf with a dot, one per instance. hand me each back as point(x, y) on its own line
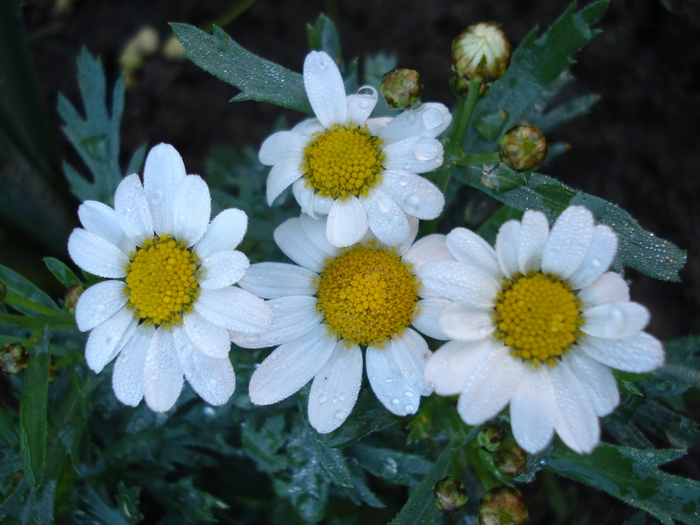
point(535, 68)
point(331, 460)
point(682, 361)
point(33, 411)
point(632, 475)
point(420, 508)
point(24, 289)
point(61, 272)
point(128, 503)
point(367, 416)
point(96, 136)
point(263, 445)
point(489, 229)
point(323, 36)
point(638, 248)
point(257, 78)
point(394, 466)
point(8, 429)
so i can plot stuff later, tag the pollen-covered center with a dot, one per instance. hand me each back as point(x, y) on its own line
point(343, 161)
point(161, 282)
point(538, 317)
point(367, 295)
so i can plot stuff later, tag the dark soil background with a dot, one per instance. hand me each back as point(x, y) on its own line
point(639, 147)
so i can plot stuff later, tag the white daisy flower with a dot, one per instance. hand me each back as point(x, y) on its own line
point(332, 304)
point(536, 323)
point(167, 307)
point(360, 172)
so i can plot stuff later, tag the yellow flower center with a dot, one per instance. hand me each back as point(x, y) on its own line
point(343, 161)
point(538, 317)
point(161, 282)
point(367, 295)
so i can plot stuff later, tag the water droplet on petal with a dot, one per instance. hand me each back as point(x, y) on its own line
point(212, 382)
point(343, 396)
point(251, 338)
point(110, 341)
point(322, 399)
point(412, 204)
point(408, 394)
point(341, 414)
point(426, 149)
point(409, 409)
point(432, 118)
point(157, 197)
point(395, 401)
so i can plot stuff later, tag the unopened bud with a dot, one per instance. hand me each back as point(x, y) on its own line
point(510, 459)
point(523, 148)
point(72, 295)
point(502, 506)
point(490, 437)
point(450, 494)
point(401, 88)
point(481, 51)
point(3, 291)
point(13, 358)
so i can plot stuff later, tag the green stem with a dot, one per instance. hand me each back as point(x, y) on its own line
point(472, 453)
point(16, 300)
point(464, 115)
point(64, 320)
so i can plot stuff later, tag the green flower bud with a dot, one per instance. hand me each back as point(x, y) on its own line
point(523, 148)
point(13, 358)
point(450, 494)
point(510, 459)
point(481, 51)
point(3, 291)
point(401, 88)
point(72, 295)
point(490, 437)
point(502, 506)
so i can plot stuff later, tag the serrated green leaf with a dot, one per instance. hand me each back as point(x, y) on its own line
point(257, 78)
point(331, 460)
point(632, 476)
point(262, 445)
point(367, 416)
point(323, 36)
point(61, 272)
point(638, 248)
point(21, 287)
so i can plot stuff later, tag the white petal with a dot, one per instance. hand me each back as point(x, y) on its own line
point(377, 125)
point(638, 353)
point(162, 175)
point(98, 303)
point(295, 315)
point(449, 367)
point(305, 196)
point(598, 258)
point(223, 269)
point(534, 229)
point(507, 242)
point(608, 288)
point(335, 389)
point(427, 249)
point(415, 155)
point(99, 218)
point(568, 242)
point(308, 127)
point(468, 247)
point(427, 321)
point(467, 323)
point(132, 209)
point(347, 222)
point(225, 232)
point(416, 195)
point(107, 339)
point(490, 385)
point(597, 380)
point(615, 320)
point(213, 379)
point(315, 231)
point(291, 366)
point(575, 419)
point(192, 210)
point(361, 105)
point(460, 282)
point(532, 409)
point(429, 119)
point(281, 176)
point(413, 225)
point(325, 89)
point(296, 245)
point(207, 337)
point(386, 220)
point(234, 309)
point(129, 370)
point(271, 279)
point(96, 255)
point(162, 373)
point(281, 146)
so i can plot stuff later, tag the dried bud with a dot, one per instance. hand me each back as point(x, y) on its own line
point(13, 358)
point(450, 494)
point(510, 459)
point(523, 148)
point(502, 506)
point(401, 88)
point(490, 437)
point(461, 86)
point(481, 51)
point(72, 295)
point(3, 291)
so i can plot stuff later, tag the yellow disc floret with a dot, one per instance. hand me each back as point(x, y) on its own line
point(538, 317)
point(161, 282)
point(367, 295)
point(343, 161)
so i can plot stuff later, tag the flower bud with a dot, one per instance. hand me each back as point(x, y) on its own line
point(72, 295)
point(13, 358)
point(490, 437)
point(523, 148)
point(502, 506)
point(450, 494)
point(401, 88)
point(3, 291)
point(481, 51)
point(510, 459)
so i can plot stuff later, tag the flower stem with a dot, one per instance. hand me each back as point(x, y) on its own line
point(464, 115)
point(471, 452)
